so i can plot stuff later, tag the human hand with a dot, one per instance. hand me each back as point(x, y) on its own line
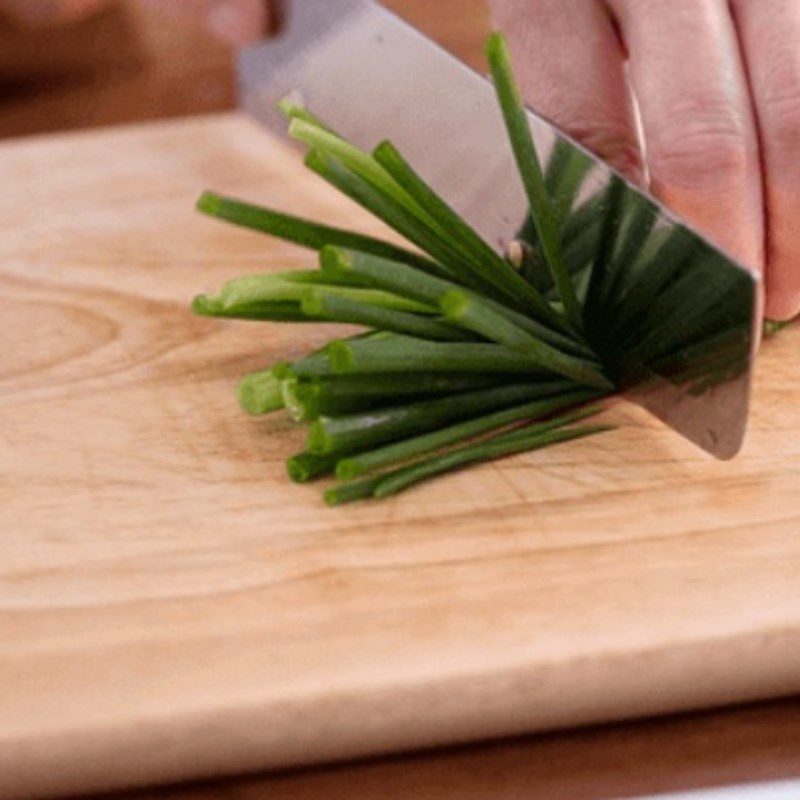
point(718, 88)
point(238, 21)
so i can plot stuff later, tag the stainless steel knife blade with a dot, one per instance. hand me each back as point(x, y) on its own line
point(676, 316)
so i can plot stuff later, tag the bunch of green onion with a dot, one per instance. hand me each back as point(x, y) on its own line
point(467, 355)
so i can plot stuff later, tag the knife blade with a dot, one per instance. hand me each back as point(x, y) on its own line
point(676, 315)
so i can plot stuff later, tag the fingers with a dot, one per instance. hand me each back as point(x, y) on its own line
point(239, 22)
point(48, 11)
point(770, 34)
point(572, 70)
point(699, 129)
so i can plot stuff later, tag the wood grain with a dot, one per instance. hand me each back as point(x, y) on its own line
point(171, 607)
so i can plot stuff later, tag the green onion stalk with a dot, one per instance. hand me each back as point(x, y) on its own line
point(465, 354)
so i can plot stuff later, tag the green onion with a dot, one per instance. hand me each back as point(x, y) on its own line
point(361, 431)
point(301, 231)
point(490, 266)
point(258, 312)
point(505, 446)
point(351, 492)
point(475, 315)
point(545, 219)
point(253, 290)
point(356, 466)
point(260, 393)
point(403, 354)
point(462, 344)
point(324, 305)
point(305, 467)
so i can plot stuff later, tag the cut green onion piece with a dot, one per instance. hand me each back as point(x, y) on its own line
point(335, 308)
point(362, 164)
point(476, 315)
point(301, 231)
point(351, 492)
point(449, 263)
point(260, 393)
point(356, 466)
point(275, 311)
point(307, 399)
point(293, 108)
point(252, 290)
point(548, 225)
point(489, 265)
point(362, 431)
point(500, 448)
point(305, 467)
point(390, 276)
point(401, 354)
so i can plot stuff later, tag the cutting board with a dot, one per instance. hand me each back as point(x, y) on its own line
point(172, 607)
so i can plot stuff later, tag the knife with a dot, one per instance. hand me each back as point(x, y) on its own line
point(677, 315)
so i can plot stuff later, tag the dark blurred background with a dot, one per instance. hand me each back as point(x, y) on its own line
point(129, 62)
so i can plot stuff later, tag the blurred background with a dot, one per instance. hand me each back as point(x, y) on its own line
point(131, 62)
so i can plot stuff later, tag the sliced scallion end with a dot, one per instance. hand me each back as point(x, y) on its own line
point(319, 441)
point(210, 203)
point(351, 492)
point(341, 357)
point(306, 467)
point(260, 393)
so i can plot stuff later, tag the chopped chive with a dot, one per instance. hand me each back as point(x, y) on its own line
point(355, 466)
point(276, 311)
point(400, 279)
point(390, 276)
point(449, 263)
point(476, 315)
point(293, 108)
point(260, 393)
point(473, 454)
point(359, 162)
point(300, 231)
point(548, 226)
point(334, 308)
point(305, 467)
point(538, 330)
point(351, 492)
point(253, 290)
point(306, 399)
point(317, 365)
point(361, 431)
point(404, 353)
point(489, 264)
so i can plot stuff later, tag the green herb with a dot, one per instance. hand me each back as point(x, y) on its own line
point(362, 431)
point(544, 214)
point(300, 231)
point(355, 466)
point(460, 344)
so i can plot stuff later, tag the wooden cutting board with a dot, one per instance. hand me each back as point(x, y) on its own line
point(172, 607)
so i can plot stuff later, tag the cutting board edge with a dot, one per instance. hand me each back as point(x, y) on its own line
point(353, 725)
